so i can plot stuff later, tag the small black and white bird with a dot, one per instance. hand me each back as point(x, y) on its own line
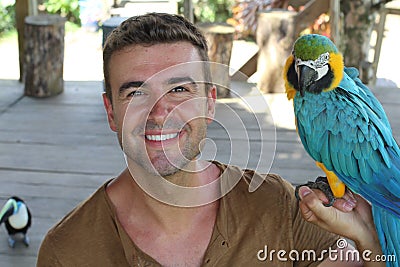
point(17, 218)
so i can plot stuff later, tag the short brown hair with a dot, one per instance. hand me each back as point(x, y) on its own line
point(151, 29)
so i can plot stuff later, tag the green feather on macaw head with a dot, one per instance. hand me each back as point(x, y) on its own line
point(320, 44)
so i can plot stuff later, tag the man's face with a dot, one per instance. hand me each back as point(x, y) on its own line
point(160, 109)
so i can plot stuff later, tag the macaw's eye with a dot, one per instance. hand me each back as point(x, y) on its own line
point(322, 60)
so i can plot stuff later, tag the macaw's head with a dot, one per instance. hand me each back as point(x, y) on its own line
point(314, 66)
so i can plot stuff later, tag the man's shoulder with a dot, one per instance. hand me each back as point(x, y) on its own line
point(86, 234)
point(255, 192)
point(257, 183)
point(85, 217)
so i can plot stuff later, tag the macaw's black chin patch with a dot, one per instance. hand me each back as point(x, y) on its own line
point(314, 89)
point(324, 83)
point(292, 76)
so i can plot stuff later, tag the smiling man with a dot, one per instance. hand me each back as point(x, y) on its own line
point(169, 208)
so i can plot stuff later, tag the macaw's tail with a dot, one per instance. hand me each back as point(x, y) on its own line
point(388, 228)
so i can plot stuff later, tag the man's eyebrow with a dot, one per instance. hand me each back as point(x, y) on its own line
point(127, 85)
point(181, 80)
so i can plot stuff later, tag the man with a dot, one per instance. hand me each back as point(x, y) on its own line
point(159, 100)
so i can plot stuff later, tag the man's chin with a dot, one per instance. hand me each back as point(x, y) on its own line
point(155, 167)
point(167, 169)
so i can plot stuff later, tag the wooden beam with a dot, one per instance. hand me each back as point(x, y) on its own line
point(393, 11)
point(298, 3)
point(248, 69)
point(312, 10)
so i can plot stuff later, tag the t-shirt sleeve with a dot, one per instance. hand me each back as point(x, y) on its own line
point(46, 256)
point(310, 241)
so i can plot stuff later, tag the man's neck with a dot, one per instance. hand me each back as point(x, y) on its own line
point(169, 234)
point(135, 205)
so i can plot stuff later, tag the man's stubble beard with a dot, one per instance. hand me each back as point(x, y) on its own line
point(163, 164)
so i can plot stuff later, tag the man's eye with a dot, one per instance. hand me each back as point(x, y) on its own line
point(178, 89)
point(135, 93)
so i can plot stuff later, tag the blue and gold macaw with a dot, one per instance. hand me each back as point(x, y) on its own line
point(344, 128)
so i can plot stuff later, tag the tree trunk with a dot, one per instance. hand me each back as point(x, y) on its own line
point(275, 37)
point(44, 55)
point(220, 41)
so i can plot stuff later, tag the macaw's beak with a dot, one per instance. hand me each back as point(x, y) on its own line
point(306, 77)
point(8, 210)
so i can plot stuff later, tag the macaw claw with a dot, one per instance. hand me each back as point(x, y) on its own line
point(322, 184)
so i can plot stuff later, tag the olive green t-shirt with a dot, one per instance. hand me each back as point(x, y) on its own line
point(251, 229)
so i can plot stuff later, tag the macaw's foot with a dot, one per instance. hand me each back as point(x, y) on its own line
point(26, 240)
point(11, 242)
point(322, 184)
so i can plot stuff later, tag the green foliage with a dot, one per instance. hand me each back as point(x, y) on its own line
point(71, 27)
point(212, 10)
point(7, 17)
point(65, 8)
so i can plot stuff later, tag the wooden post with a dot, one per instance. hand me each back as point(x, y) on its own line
point(22, 10)
point(188, 10)
point(33, 7)
point(220, 41)
point(44, 55)
point(275, 37)
point(334, 18)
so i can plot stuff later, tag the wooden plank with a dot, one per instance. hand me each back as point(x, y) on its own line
point(248, 69)
point(393, 11)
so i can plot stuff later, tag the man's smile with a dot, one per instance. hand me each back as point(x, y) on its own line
point(161, 137)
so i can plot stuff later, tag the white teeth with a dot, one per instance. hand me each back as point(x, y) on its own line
point(161, 137)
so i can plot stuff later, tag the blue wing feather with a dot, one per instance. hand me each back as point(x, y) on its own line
point(387, 226)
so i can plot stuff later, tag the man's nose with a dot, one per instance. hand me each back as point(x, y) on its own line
point(160, 110)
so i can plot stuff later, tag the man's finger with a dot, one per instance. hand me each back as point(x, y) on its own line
point(312, 206)
point(346, 203)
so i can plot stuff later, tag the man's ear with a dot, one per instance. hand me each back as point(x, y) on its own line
point(110, 112)
point(211, 99)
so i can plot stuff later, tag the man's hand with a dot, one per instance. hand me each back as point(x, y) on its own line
point(350, 216)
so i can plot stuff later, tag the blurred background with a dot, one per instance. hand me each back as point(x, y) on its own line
point(356, 26)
